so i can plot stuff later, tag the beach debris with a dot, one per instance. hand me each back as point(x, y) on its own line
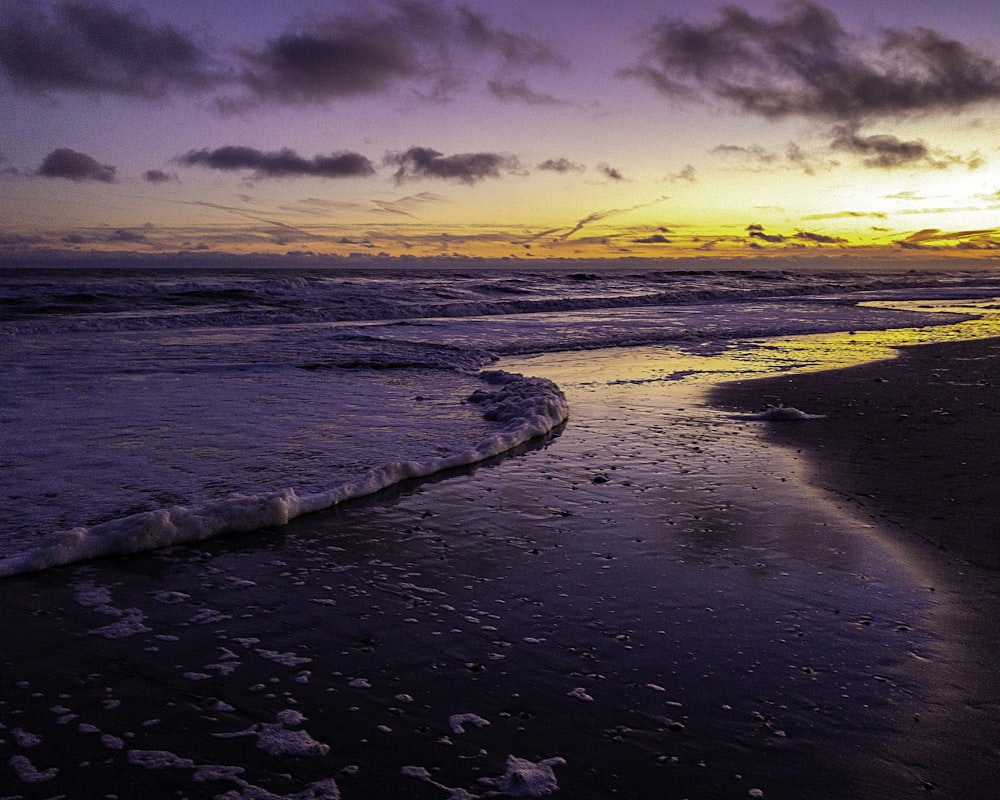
point(780, 413)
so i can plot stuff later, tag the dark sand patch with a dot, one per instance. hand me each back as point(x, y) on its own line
point(913, 445)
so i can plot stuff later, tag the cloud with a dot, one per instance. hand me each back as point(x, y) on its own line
point(513, 48)
point(848, 215)
point(983, 239)
point(561, 165)
point(341, 58)
point(75, 166)
point(282, 163)
point(803, 63)
point(688, 174)
point(884, 151)
point(125, 235)
point(158, 176)
point(819, 238)
point(756, 231)
point(753, 152)
point(405, 206)
point(597, 216)
point(519, 91)
point(757, 157)
point(411, 42)
point(423, 162)
point(656, 238)
point(94, 48)
point(612, 173)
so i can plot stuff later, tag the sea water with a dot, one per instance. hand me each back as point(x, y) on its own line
point(143, 407)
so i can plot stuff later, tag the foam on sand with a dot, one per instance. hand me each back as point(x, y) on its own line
point(780, 414)
point(526, 407)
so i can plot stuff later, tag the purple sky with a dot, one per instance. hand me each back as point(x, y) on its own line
point(528, 128)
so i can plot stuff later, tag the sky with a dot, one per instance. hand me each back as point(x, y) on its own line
point(526, 129)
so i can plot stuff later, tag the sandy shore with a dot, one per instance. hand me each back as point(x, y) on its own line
point(914, 440)
point(913, 445)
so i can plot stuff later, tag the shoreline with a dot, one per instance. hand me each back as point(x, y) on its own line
point(911, 441)
point(909, 445)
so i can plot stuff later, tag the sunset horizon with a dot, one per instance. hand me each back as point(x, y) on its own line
point(652, 130)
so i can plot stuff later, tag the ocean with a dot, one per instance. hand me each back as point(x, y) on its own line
point(444, 533)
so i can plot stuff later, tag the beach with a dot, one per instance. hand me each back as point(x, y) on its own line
point(650, 602)
point(661, 595)
point(911, 445)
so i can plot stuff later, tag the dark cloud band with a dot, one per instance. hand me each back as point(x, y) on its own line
point(282, 163)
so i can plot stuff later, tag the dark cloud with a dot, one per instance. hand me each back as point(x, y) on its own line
point(519, 91)
point(561, 165)
point(410, 42)
point(66, 163)
point(756, 231)
point(282, 163)
point(94, 48)
point(612, 173)
point(344, 58)
point(423, 162)
point(819, 238)
point(158, 176)
point(804, 63)
point(656, 238)
point(883, 151)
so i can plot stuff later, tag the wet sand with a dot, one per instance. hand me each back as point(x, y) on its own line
point(650, 604)
point(913, 445)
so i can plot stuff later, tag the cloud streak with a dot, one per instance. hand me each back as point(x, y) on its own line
point(284, 163)
point(803, 63)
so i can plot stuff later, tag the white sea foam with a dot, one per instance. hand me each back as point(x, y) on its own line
point(526, 407)
point(524, 778)
point(457, 722)
point(29, 773)
point(780, 414)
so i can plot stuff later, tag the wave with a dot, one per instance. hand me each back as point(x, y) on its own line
point(47, 301)
point(527, 407)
